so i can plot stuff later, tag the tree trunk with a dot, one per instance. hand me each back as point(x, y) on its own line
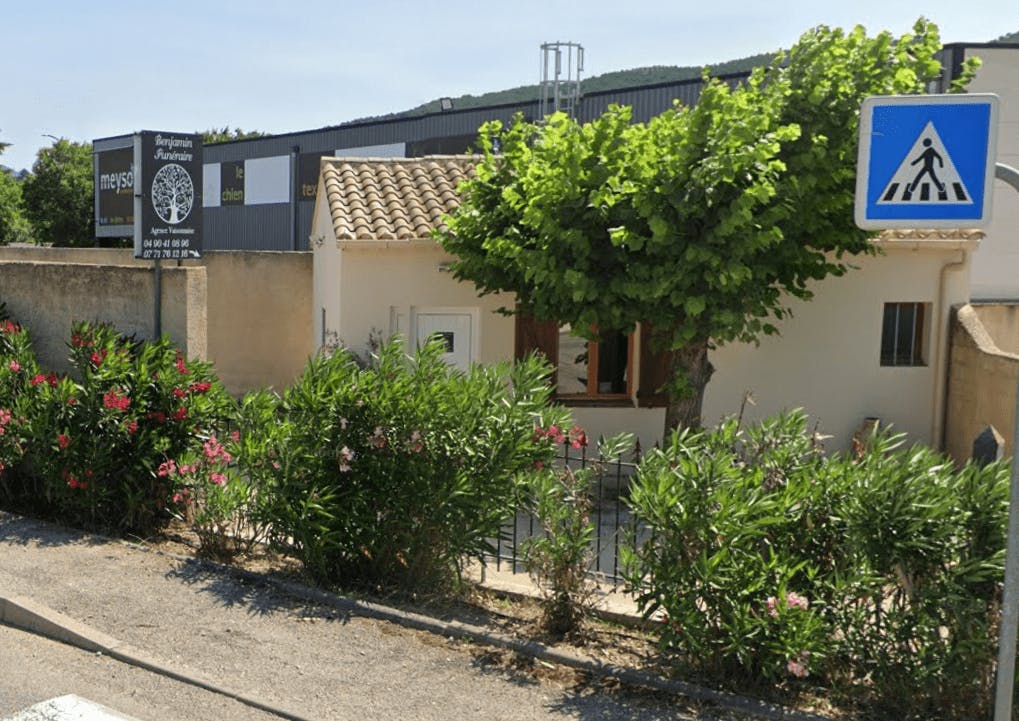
point(689, 373)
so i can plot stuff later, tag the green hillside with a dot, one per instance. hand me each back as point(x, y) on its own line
point(615, 80)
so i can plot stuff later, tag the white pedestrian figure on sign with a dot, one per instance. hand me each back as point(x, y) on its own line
point(928, 157)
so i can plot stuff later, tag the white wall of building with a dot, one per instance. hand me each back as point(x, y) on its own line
point(827, 358)
point(996, 264)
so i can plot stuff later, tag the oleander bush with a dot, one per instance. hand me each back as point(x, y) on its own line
point(560, 556)
point(875, 574)
point(17, 365)
point(395, 474)
point(94, 440)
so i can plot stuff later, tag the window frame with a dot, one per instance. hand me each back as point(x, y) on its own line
point(647, 367)
point(918, 336)
point(593, 361)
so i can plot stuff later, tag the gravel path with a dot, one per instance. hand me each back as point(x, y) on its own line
point(255, 640)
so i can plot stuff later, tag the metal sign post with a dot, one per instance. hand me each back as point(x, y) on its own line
point(1005, 680)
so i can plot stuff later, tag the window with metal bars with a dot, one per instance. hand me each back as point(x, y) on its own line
point(903, 334)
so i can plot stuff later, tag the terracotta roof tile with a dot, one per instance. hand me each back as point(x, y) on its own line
point(392, 198)
point(405, 198)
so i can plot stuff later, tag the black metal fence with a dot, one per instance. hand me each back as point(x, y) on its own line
point(613, 522)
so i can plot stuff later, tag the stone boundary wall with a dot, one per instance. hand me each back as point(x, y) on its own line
point(247, 312)
point(48, 298)
point(981, 379)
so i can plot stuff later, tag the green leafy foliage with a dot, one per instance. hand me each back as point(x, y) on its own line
point(14, 226)
point(218, 502)
point(226, 133)
point(559, 558)
point(17, 364)
point(704, 221)
point(58, 195)
point(396, 473)
point(875, 573)
point(94, 441)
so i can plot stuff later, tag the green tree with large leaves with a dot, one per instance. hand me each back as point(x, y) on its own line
point(14, 227)
point(703, 222)
point(58, 195)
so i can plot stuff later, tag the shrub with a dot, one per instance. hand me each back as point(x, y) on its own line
point(215, 499)
point(395, 474)
point(17, 367)
point(875, 572)
point(96, 441)
point(723, 509)
point(559, 559)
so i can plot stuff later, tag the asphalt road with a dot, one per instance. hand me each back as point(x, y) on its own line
point(34, 669)
point(256, 641)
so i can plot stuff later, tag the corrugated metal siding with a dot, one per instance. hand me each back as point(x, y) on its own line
point(248, 227)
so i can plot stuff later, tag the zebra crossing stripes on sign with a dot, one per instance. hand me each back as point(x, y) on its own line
point(926, 161)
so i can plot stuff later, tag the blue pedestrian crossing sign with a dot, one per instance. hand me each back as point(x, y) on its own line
point(926, 161)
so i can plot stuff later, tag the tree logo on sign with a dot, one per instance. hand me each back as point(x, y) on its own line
point(173, 193)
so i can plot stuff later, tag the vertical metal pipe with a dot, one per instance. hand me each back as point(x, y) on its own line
point(295, 197)
point(1005, 682)
point(157, 300)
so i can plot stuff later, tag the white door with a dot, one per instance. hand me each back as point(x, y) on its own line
point(455, 330)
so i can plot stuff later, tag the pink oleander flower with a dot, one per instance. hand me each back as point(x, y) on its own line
point(795, 600)
point(798, 666)
point(218, 478)
point(792, 600)
point(346, 456)
point(166, 468)
point(115, 401)
point(215, 452)
point(416, 443)
point(63, 441)
point(14, 366)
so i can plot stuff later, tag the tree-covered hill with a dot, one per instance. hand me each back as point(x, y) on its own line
point(615, 80)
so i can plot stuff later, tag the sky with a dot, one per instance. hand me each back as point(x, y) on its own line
point(86, 70)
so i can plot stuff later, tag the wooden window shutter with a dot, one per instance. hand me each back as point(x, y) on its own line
point(654, 372)
point(534, 335)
